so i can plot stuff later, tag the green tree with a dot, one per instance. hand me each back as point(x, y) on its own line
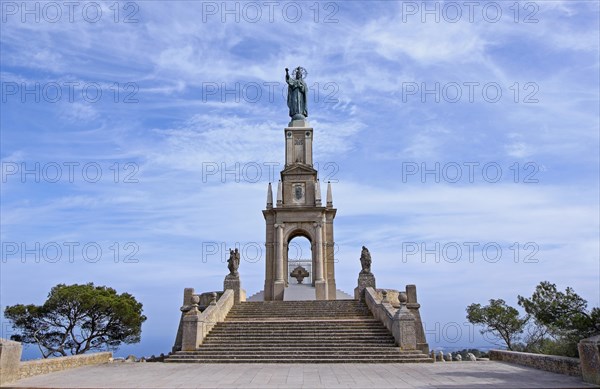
point(564, 315)
point(78, 318)
point(498, 319)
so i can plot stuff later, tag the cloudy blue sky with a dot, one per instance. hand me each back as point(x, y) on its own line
point(150, 130)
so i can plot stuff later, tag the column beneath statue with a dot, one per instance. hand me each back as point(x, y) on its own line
point(320, 283)
point(279, 284)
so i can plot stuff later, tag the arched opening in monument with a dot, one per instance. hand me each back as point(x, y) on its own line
point(299, 261)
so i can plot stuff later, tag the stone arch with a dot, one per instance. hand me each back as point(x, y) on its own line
point(299, 232)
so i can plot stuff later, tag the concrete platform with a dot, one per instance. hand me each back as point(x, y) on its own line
point(300, 292)
point(439, 375)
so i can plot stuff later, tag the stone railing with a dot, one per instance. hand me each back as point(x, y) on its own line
point(12, 369)
point(383, 313)
point(400, 322)
point(196, 325)
point(552, 363)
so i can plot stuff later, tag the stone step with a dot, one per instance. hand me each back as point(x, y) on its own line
point(293, 347)
point(287, 334)
point(288, 326)
point(320, 315)
point(342, 331)
point(273, 353)
point(302, 302)
point(331, 343)
point(301, 360)
point(309, 324)
point(302, 314)
point(297, 305)
point(261, 327)
point(291, 335)
point(348, 322)
point(297, 355)
point(305, 340)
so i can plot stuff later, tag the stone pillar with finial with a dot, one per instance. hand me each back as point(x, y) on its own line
point(192, 326)
point(403, 326)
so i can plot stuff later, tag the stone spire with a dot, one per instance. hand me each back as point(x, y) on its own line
point(318, 193)
point(329, 195)
point(279, 194)
point(269, 197)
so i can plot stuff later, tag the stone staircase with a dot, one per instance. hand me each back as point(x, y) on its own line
point(341, 331)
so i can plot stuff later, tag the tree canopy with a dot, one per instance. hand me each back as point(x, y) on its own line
point(78, 318)
point(499, 319)
point(564, 315)
point(555, 321)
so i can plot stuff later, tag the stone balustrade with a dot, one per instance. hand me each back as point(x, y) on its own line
point(400, 322)
point(196, 325)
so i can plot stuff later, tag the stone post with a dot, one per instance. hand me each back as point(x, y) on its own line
point(403, 326)
point(192, 328)
point(589, 359)
point(413, 305)
point(10, 359)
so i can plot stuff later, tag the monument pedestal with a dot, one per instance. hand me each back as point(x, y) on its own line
point(365, 280)
point(233, 282)
point(278, 290)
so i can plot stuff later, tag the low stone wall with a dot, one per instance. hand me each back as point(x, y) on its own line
point(12, 369)
point(49, 365)
point(551, 363)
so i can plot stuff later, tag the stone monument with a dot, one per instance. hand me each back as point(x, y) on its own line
point(298, 210)
point(232, 280)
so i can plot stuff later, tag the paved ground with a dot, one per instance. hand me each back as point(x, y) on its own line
point(427, 375)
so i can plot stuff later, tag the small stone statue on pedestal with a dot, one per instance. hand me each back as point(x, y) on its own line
point(365, 260)
point(233, 263)
point(232, 280)
point(365, 277)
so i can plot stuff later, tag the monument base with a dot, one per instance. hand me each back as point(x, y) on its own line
point(298, 123)
point(233, 282)
point(321, 290)
point(278, 290)
point(365, 280)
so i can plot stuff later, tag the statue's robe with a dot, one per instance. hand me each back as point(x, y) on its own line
point(296, 98)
